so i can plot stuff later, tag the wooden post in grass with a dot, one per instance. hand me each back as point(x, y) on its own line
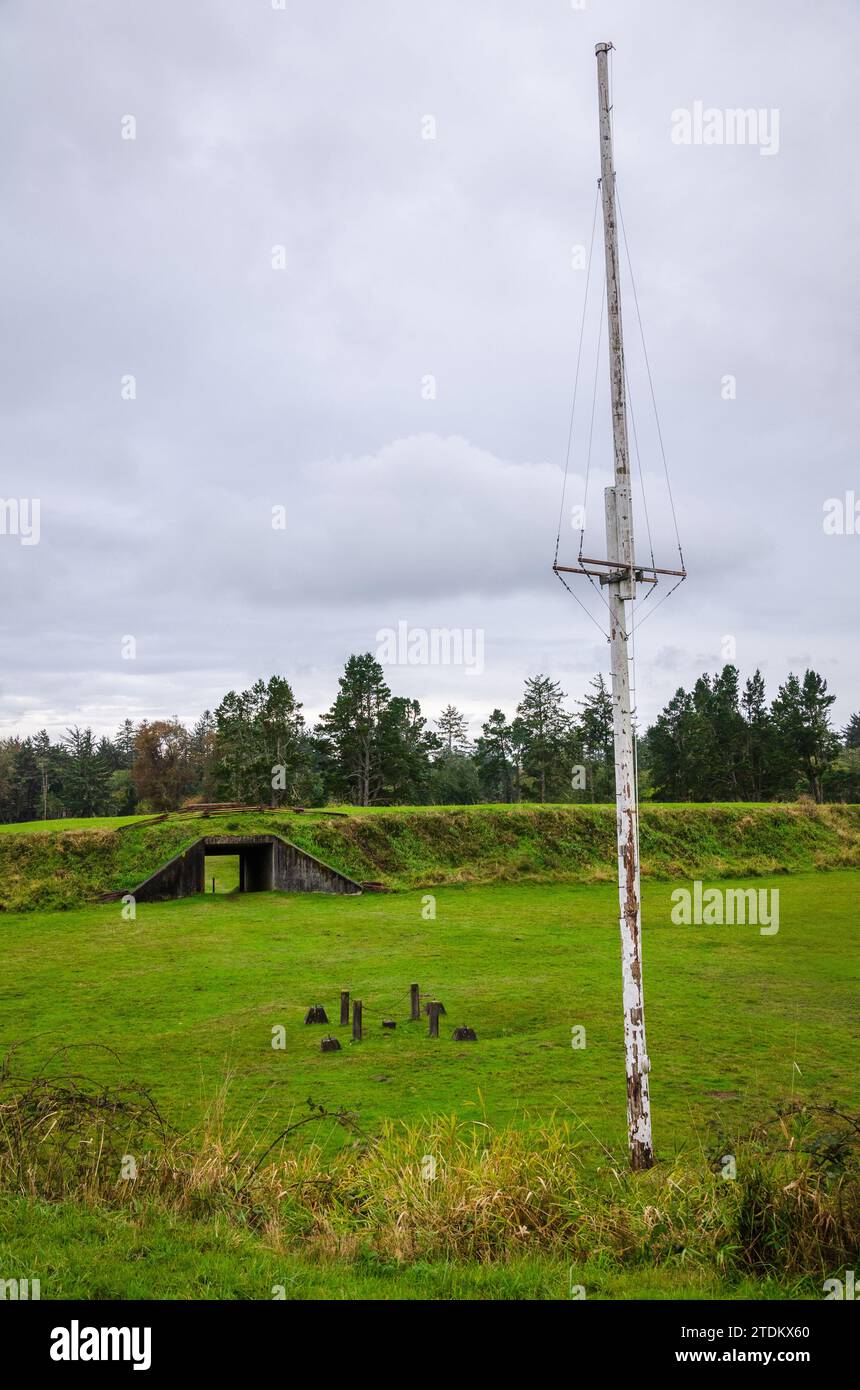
point(344, 1007)
point(415, 1000)
point(433, 1013)
point(356, 1020)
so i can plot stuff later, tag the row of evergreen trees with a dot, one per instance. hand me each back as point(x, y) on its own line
point(717, 742)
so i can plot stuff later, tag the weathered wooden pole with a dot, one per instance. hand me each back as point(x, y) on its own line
point(356, 1020)
point(415, 1000)
point(621, 588)
point(344, 1007)
point(433, 1014)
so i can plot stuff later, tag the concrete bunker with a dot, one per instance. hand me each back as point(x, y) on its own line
point(266, 862)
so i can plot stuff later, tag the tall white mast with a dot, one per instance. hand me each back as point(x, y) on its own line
point(620, 583)
point(620, 573)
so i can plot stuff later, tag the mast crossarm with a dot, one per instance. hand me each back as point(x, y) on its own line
point(649, 569)
point(639, 570)
point(613, 576)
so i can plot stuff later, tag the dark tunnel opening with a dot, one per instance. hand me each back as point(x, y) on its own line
point(256, 864)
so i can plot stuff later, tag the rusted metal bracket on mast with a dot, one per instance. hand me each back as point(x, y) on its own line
point(647, 569)
point(613, 576)
point(610, 573)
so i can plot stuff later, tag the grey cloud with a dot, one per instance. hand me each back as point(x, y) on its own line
point(403, 258)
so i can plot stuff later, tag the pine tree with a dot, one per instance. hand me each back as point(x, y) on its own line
point(204, 754)
point(493, 758)
point(758, 769)
point(86, 779)
point(27, 781)
point(280, 754)
point(520, 737)
point(261, 750)
point(108, 753)
point(351, 729)
point(124, 743)
point(719, 738)
point(545, 726)
point(453, 730)
point(670, 742)
point(594, 737)
point(807, 743)
point(233, 746)
point(851, 732)
point(404, 748)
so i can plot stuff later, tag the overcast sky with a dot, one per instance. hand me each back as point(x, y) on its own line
point(282, 258)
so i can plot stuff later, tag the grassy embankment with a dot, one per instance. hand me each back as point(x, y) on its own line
point(412, 847)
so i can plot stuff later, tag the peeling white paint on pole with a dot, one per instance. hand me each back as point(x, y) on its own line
point(620, 590)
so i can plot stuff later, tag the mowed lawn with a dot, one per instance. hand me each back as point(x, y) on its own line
point(55, 827)
point(189, 993)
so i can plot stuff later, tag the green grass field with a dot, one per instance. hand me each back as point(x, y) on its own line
point(221, 873)
point(189, 992)
point(88, 1253)
point(57, 827)
point(184, 1000)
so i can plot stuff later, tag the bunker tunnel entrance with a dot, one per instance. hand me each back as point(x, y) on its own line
point(266, 862)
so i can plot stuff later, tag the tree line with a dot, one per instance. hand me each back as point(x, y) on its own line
point(719, 741)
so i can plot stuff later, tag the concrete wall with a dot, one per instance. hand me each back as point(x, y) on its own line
point(265, 862)
point(296, 871)
point(257, 869)
point(179, 878)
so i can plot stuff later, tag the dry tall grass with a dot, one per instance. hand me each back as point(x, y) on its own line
point(447, 1188)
